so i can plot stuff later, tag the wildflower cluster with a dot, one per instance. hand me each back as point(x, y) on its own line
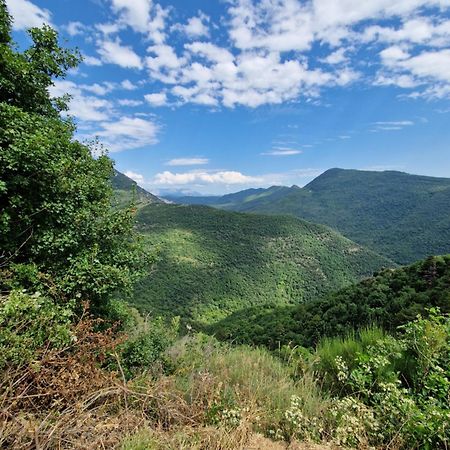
point(299, 425)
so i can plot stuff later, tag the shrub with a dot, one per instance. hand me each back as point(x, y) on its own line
point(29, 322)
point(146, 347)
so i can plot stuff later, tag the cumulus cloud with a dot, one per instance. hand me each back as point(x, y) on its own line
point(157, 99)
point(128, 85)
point(195, 27)
point(139, 178)
point(269, 54)
point(114, 52)
point(203, 177)
point(83, 107)
point(128, 133)
point(91, 61)
point(337, 57)
point(75, 28)
point(26, 14)
point(133, 13)
point(142, 16)
point(187, 162)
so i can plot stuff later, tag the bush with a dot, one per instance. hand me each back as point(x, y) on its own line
point(29, 322)
point(391, 389)
point(146, 347)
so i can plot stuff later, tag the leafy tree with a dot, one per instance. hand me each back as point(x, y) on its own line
point(57, 229)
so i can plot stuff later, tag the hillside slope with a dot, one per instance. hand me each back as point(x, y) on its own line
point(391, 298)
point(212, 263)
point(126, 190)
point(404, 217)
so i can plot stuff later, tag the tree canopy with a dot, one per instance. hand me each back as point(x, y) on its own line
point(57, 229)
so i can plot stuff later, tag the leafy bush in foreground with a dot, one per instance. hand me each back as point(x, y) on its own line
point(385, 390)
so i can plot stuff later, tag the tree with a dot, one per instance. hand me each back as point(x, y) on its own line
point(57, 229)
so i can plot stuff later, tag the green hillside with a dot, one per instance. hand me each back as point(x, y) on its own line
point(127, 190)
point(212, 263)
point(391, 298)
point(404, 217)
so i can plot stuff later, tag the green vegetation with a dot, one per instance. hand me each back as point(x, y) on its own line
point(58, 234)
point(80, 368)
point(403, 217)
point(212, 263)
point(127, 191)
point(391, 298)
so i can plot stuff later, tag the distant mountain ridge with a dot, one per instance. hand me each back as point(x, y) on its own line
point(404, 217)
point(127, 190)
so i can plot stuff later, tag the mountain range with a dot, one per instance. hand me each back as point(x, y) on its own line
point(401, 216)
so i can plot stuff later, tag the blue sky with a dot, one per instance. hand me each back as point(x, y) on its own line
point(217, 96)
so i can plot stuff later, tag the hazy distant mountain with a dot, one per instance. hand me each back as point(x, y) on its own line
point(404, 217)
point(212, 263)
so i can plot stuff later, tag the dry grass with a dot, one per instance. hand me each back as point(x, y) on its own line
point(65, 400)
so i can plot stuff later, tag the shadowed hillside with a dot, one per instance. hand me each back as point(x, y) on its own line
point(390, 298)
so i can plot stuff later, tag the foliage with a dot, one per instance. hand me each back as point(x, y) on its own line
point(29, 323)
point(25, 77)
point(410, 406)
point(391, 298)
point(58, 233)
point(403, 217)
point(212, 263)
point(145, 348)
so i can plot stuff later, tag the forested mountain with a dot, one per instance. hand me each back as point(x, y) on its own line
point(127, 190)
point(404, 217)
point(390, 298)
point(212, 263)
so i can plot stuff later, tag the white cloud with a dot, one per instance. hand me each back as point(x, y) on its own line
point(128, 133)
point(157, 25)
point(108, 28)
point(129, 102)
point(280, 151)
point(83, 107)
point(195, 27)
point(139, 178)
point(91, 61)
point(391, 125)
point(199, 177)
point(128, 85)
point(142, 16)
point(134, 13)
point(416, 30)
point(270, 55)
point(26, 14)
point(337, 57)
point(187, 162)
point(432, 64)
point(75, 28)
point(115, 53)
point(277, 26)
point(98, 89)
point(430, 68)
point(157, 99)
